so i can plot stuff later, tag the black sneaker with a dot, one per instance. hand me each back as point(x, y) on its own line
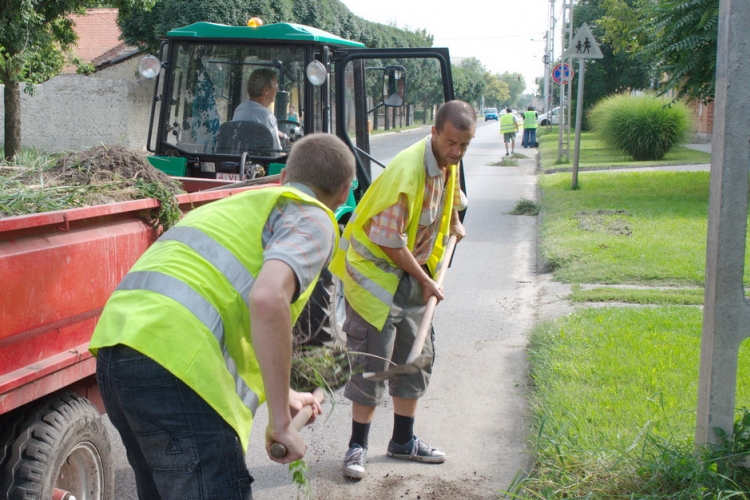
point(354, 462)
point(416, 449)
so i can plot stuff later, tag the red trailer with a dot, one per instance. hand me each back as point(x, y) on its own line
point(57, 270)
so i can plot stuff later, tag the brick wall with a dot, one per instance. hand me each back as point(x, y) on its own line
point(704, 119)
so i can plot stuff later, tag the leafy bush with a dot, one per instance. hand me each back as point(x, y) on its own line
point(645, 127)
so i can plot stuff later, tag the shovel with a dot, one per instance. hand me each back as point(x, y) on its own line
point(415, 362)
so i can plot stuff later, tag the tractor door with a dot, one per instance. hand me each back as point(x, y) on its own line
point(381, 89)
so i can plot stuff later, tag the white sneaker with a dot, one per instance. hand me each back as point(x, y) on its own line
point(354, 462)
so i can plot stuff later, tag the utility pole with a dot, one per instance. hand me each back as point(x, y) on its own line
point(549, 56)
point(726, 313)
point(563, 140)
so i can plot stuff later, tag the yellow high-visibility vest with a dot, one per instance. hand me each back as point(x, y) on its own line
point(529, 120)
point(369, 277)
point(507, 124)
point(184, 303)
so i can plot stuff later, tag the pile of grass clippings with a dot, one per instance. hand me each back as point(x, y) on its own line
point(326, 367)
point(96, 176)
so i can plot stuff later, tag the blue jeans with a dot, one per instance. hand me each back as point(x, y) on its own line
point(529, 138)
point(178, 446)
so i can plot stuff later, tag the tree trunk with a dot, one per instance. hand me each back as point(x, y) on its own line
point(12, 120)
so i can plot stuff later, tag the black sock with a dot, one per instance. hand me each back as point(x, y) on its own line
point(403, 429)
point(359, 434)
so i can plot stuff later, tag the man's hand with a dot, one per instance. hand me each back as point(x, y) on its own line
point(298, 400)
point(430, 288)
point(457, 228)
point(288, 435)
point(290, 438)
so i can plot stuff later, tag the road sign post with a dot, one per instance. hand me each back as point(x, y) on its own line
point(583, 46)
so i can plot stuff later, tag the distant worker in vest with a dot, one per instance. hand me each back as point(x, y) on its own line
point(509, 127)
point(388, 259)
point(198, 334)
point(529, 128)
point(261, 91)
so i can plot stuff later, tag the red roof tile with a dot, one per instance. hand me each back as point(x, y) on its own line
point(98, 38)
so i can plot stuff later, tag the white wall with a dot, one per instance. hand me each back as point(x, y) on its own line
point(76, 112)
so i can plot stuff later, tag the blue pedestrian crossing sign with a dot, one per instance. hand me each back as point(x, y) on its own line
point(583, 45)
point(562, 73)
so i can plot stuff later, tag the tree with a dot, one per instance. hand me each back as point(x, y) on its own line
point(143, 28)
point(622, 68)
point(34, 38)
point(684, 36)
point(468, 80)
point(516, 85)
point(496, 92)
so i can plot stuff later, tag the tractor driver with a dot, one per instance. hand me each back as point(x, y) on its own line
point(261, 90)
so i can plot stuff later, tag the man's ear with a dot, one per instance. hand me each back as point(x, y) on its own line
point(283, 176)
point(344, 194)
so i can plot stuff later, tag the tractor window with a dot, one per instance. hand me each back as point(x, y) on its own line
point(210, 82)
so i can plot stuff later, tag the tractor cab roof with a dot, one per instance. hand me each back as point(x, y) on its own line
point(279, 31)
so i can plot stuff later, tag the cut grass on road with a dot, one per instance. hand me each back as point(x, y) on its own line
point(614, 408)
point(626, 227)
point(595, 154)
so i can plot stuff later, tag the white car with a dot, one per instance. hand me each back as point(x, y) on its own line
point(553, 119)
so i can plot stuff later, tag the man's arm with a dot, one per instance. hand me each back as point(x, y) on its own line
point(271, 326)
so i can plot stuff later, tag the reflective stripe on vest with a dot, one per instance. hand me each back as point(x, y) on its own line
point(221, 258)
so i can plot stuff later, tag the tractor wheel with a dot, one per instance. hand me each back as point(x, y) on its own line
point(59, 446)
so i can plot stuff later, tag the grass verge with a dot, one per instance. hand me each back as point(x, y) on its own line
point(627, 227)
point(594, 153)
point(614, 409)
point(682, 296)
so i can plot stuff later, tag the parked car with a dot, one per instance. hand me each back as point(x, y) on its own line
point(553, 119)
point(490, 114)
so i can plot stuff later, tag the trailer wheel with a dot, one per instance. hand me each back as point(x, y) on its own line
point(58, 446)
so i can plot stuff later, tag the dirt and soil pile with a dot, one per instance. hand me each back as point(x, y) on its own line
point(100, 175)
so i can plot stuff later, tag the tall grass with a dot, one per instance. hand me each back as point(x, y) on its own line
point(645, 127)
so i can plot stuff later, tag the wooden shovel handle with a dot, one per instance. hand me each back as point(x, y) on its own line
point(429, 310)
point(278, 450)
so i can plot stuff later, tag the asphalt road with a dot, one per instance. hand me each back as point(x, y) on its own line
point(475, 409)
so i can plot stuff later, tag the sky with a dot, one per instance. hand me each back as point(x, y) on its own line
point(505, 35)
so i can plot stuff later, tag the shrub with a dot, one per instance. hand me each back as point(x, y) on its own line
point(645, 127)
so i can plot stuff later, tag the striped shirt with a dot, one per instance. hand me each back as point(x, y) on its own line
point(388, 228)
point(299, 235)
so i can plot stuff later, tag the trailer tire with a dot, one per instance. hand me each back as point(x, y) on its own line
point(59, 444)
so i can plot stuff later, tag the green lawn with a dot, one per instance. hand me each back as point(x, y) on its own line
point(626, 227)
point(595, 154)
point(615, 389)
point(615, 392)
